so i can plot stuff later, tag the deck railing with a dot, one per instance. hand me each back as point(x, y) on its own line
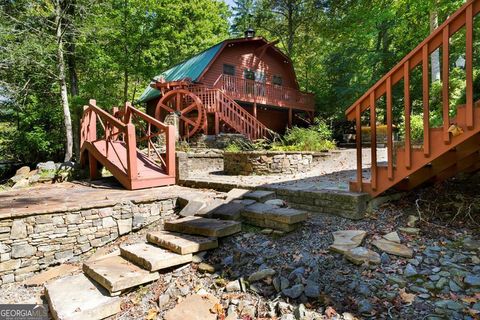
point(121, 128)
point(265, 93)
point(440, 38)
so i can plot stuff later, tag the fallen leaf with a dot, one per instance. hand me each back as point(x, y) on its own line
point(406, 297)
point(217, 309)
point(330, 312)
point(152, 314)
point(469, 300)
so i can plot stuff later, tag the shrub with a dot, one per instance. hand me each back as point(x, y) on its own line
point(315, 138)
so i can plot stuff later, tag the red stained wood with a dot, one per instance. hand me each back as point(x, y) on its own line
point(442, 154)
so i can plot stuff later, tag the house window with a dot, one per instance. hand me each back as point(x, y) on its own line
point(228, 69)
point(249, 74)
point(277, 80)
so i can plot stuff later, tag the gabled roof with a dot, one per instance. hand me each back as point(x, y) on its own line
point(195, 67)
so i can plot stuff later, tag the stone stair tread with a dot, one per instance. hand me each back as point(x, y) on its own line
point(117, 274)
point(77, 297)
point(151, 257)
point(260, 195)
point(204, 226)
point(181, 243)
point(286, 215)
point(229, 211)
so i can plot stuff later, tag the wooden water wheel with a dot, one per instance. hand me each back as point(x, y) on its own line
point(189, 108)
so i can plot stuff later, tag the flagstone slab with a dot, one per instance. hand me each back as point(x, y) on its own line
point(117, 274)
point(204, 226)
point(194, 307)
point(182, 243)
point(229, 211)
point(257, 210)
point(41, 278)
point(361, 255)
point(151, 257)
point(345, 240)
point(393, 248)
point(392, 236)
point(260, 195)
point(236, 193)
point(286, 215)
point(77, 298)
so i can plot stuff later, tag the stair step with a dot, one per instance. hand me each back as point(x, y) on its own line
point(117, 274)
point(78, 297)
point(151, 257)
point(229, 211)
point(204, 226)
point(260, 195)
point(269, 216)
point(181, 243)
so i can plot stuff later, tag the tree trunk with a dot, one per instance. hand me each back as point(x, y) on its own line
point(435, 57)
point(63, 82)
point(126, 53)
point(290, 26)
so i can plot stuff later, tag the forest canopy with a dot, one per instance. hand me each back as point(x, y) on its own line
point(57, 54)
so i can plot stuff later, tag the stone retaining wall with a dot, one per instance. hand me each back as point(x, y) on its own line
point(270, 162)
point(188, 162)
point(31, 243)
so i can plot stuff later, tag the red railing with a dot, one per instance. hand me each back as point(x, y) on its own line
point(265, 93)
point(121, 129)
point(440, 38)
point(219, 102)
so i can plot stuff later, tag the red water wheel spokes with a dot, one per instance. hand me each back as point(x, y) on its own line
point(188, 107)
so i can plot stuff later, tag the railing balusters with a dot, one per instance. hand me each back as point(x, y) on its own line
point(469, 65)
point(446, 83)
point(358, 138)
point(389, 129)
point(373, 142)
point(426, 101)
point(408, 143)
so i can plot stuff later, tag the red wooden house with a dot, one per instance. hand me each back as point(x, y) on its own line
point(244, 85)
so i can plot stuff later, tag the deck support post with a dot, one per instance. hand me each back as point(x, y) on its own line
point(255, 109)
point(290, 116)
point(217, 124)
point(92, 166)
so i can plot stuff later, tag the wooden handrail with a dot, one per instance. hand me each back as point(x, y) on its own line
point(123, 126)
point(440, 38)
point(250, 90)
point(434, 41)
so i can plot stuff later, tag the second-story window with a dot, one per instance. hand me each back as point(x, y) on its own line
point(277, 80)
point(249, 74)
point(228, 69)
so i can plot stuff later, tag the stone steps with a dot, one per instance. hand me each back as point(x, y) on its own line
point(117, 274)
point(182, 243)
point(78, 297)
point(153, 258)
point(204, 226)
point(273, 217)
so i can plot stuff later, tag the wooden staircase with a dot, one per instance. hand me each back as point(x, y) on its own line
point(111, 140)
point(227, 110)
point(442, 154)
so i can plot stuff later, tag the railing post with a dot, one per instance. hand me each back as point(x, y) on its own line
point(389, 129)
point(170, 151)
point(446, 83)
point(358, 137)
point(408, 142)
point(469, 66)
point(373, 142)
point(131, 152)
point(426, 102)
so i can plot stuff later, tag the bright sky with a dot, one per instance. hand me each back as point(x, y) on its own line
point(229, 2)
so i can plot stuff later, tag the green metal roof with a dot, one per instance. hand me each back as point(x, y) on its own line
point(191, 68)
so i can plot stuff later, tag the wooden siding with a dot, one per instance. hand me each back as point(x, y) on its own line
point(241, 56)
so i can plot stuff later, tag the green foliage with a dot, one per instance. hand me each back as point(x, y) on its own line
point(315, 138)
point(118, 47)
